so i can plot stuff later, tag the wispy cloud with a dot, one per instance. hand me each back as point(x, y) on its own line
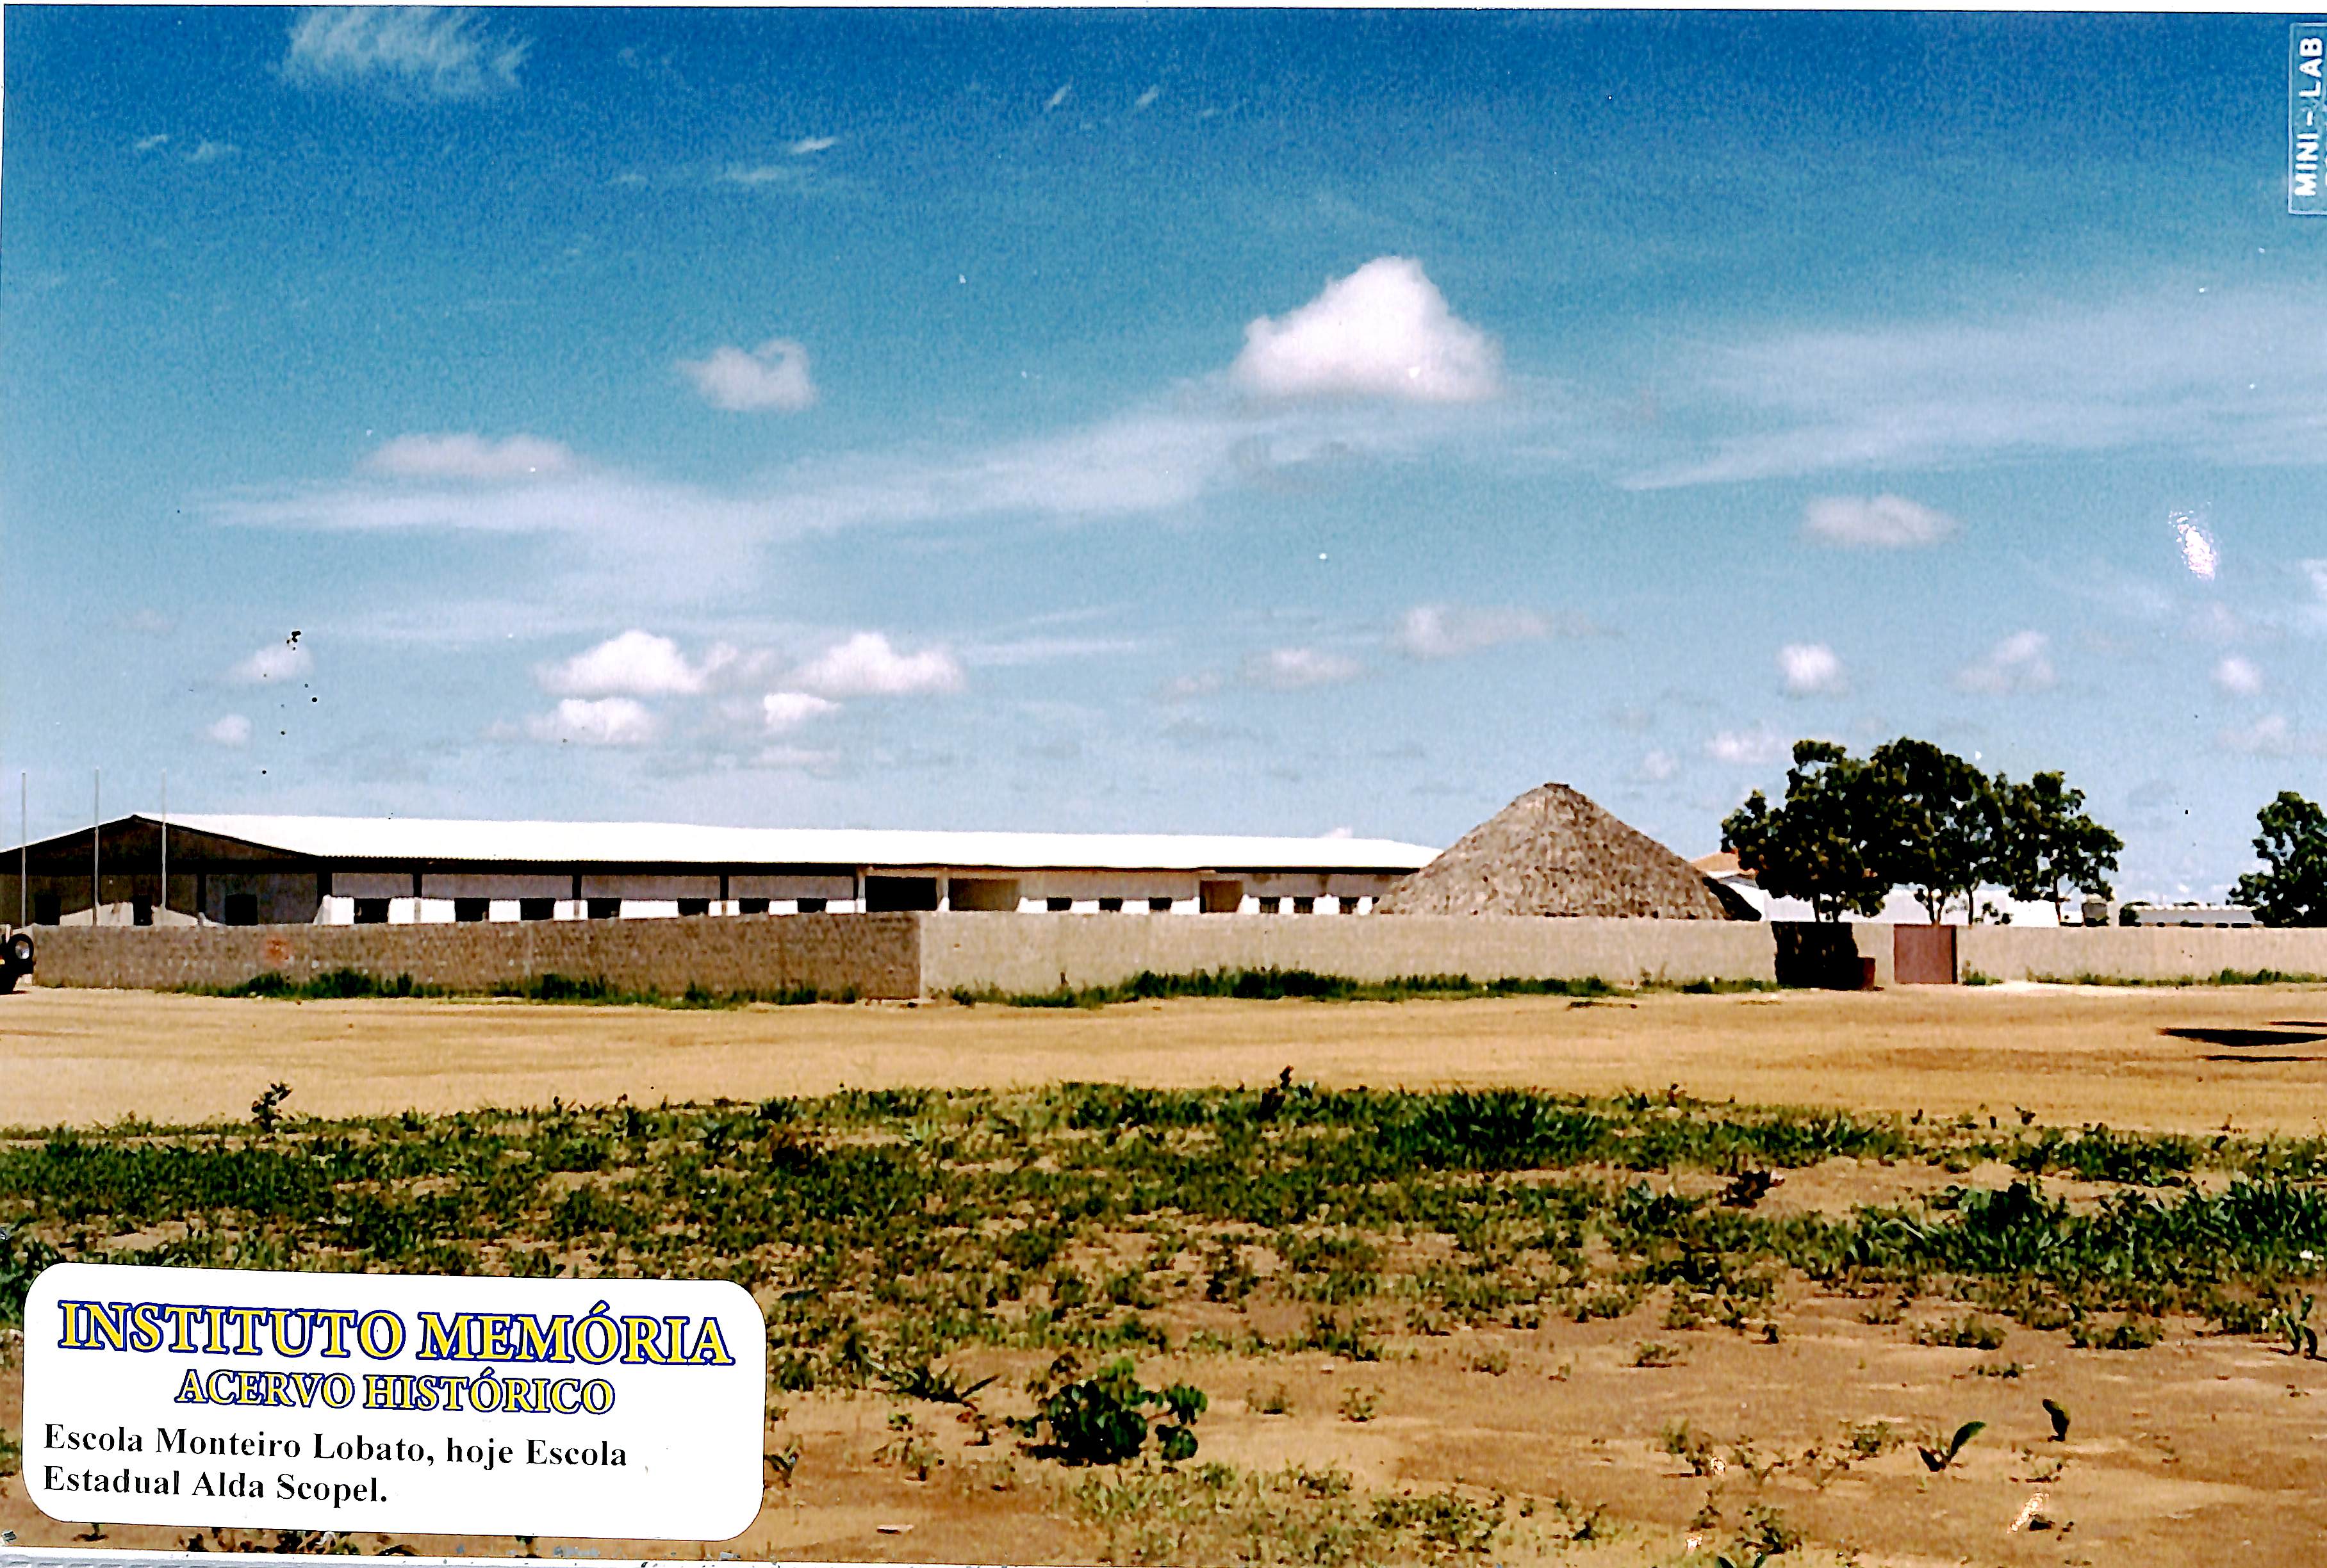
point(1297, 668)
point(424, 52)
point(808, 145)
point(1883, 522)
point(775, 375)
point(153, 144)
point(2169, 371)
point(606, 722)
point(211, 151)
point(230, 730)
point(1383, 332)
point(1432, 631)
point(462, 456)
point(2271, 736)
point(2022, 662)
point(285, 660)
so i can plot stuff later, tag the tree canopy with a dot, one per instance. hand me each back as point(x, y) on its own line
point(2291, 889)
point(2049, 848)
point(1820, 846)
point(1915, 815)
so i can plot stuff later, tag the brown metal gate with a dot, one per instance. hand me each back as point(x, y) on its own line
point(1923, 955)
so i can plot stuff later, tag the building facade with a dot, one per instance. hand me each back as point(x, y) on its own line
point(243, 871)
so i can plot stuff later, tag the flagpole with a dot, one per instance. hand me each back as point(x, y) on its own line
point(165, 843)
point(96, 839)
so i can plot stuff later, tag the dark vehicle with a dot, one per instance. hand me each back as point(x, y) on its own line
point(15, 960)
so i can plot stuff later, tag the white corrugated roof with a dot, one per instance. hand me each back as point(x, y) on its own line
point(674, 843)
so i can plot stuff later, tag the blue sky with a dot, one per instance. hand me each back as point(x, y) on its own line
point(1272, 422)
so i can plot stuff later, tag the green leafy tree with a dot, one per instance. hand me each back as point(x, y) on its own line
point(2291, 889)
point(1941, 822)
point(1823, 845)
point(2050, 848)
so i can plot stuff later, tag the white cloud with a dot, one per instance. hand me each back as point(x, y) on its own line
point(1147, 100)
point(1293, 668)
point(1060, 96)
point(772, 376)
point(2239, 677)
point(1383, 332)
point(867, 666)
point(276, 661)
point(1448, 631)
point(151, 144)
point(1884, 522)
point(2020, 663)
point(1756, 747)
point(782, 711)
point(808, 145)
point(607, 722)
point(233, 730)
point(418, 50)
point(462, 456)
point(1811, 669)
point(1658, 766)
point(635, 664)
point(211, 151)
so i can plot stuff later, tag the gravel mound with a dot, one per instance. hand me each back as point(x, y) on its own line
point(1552, 852)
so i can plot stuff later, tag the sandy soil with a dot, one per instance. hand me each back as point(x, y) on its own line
point(2202, 1450)
point(2071, 1055)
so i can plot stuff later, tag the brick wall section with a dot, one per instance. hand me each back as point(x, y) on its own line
point(1029, 953)
point(876, 954)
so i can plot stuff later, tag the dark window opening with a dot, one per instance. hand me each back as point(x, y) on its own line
point(1058, 906)
point(1160, 905)
point(368, 911)
point(468, 911)
point(894, 894)
point(242, 909)
point(1268, 906)
point(1304, 906)
point(811, 906)
point(141, 911)
point(694, 906)
point(47, 910)
point(1110, 906)
point(537, 909)
point(751, 906)
point(605, 908)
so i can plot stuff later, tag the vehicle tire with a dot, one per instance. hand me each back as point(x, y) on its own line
point(8, 980)
point(20, 951)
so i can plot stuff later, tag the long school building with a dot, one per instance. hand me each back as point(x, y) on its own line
point(246, 871)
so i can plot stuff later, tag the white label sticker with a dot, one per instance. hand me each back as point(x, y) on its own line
point(433, 1404)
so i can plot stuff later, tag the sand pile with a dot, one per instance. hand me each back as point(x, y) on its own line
point(1552, 852)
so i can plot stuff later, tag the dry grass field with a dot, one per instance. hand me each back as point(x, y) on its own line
point(2071, 1055)
point(1630, 1351)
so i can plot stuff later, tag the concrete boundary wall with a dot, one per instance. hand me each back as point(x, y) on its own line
point(901, 955)
point(2136, 953)
point(874, 955)
point(1031, 952)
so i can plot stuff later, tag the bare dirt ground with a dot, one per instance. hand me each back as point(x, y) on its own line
point(2071, 1055)
point(2206, 1449)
